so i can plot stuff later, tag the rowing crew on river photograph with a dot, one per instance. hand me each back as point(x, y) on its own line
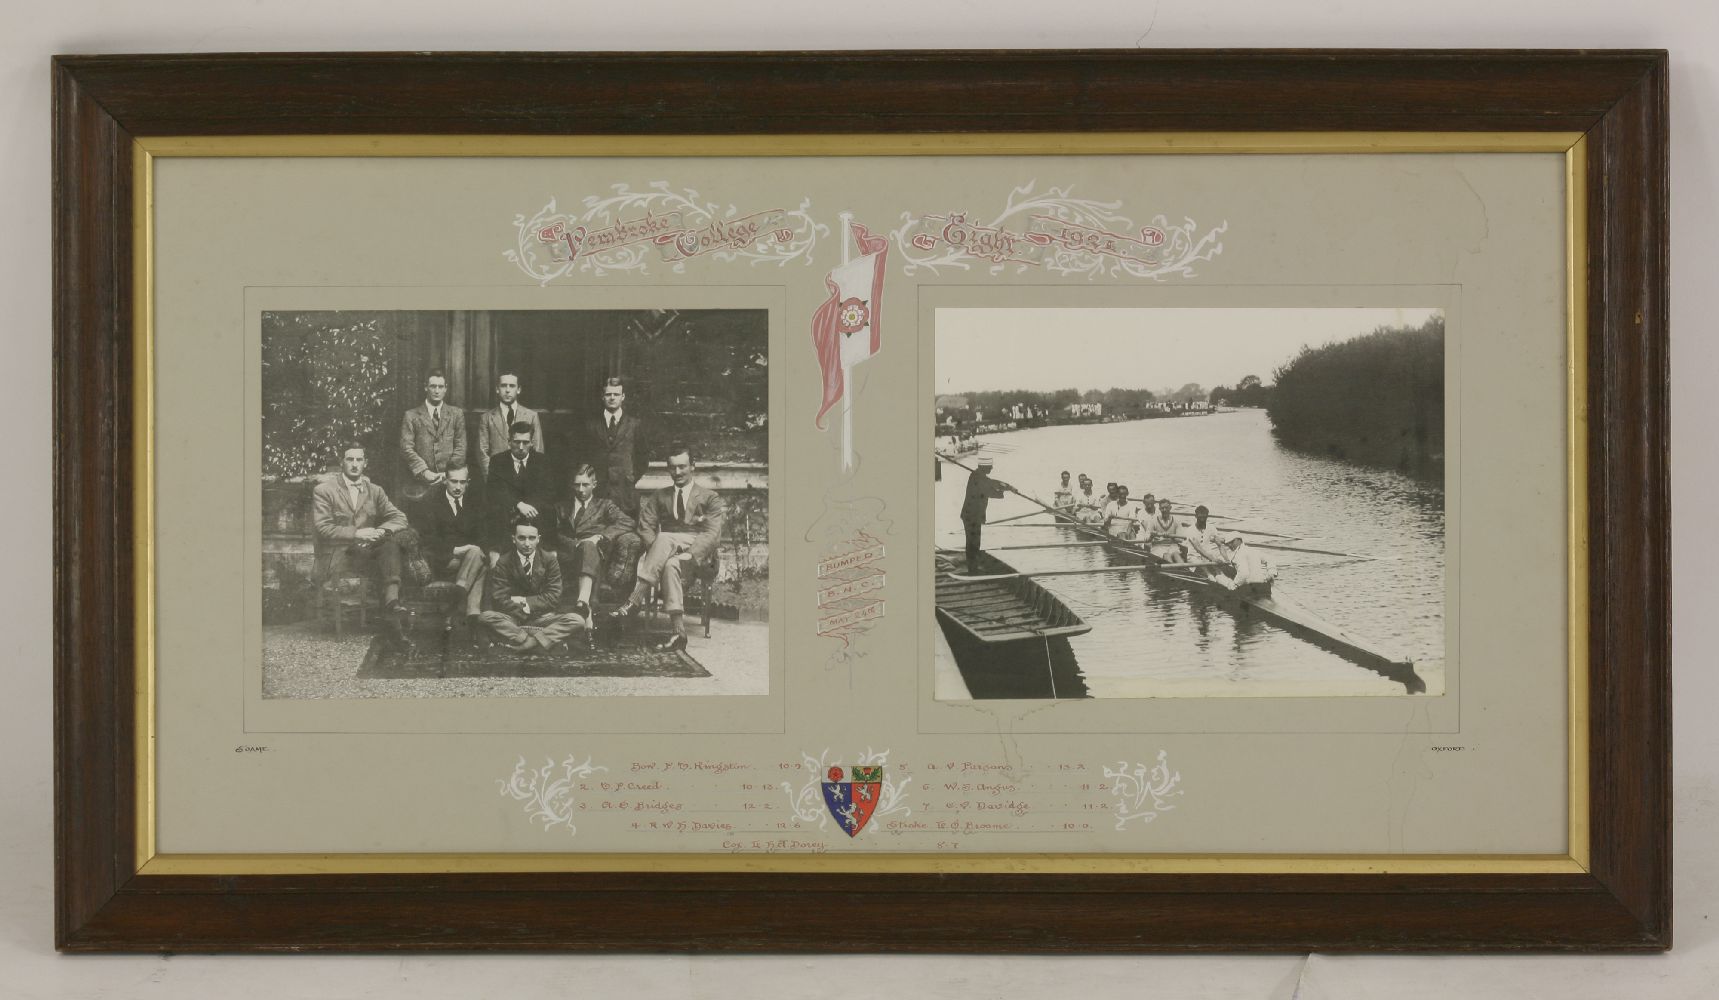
point(1273, 520)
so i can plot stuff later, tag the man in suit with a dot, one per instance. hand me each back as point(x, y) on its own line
point(355, 521)
point(525, 592)
point(591, 530)
point(452, 530)
point(517, 489)
point(495, 425)
point(612, 441)
point(679, 524)
point(981, 490)
point(432, 438)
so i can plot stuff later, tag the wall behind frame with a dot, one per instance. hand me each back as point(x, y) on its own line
point(1690, 30)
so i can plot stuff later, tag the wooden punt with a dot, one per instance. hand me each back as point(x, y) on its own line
point(997, 604)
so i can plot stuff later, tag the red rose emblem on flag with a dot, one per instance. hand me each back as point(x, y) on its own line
point(852, 316)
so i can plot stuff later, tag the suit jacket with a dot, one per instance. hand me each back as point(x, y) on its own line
point(613, 452)
point(494, 432)
point(541, 590)
point(981, 490)
point(705, 513)
point(504, 490)
point(437, 445)
point(441, 532)
point(600, 517)
point(338, 519)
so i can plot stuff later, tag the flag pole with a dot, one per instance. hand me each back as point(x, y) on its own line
point(847, 369)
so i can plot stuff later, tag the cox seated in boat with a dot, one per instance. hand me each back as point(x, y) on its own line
point(1165, 540)
point(1245, 571)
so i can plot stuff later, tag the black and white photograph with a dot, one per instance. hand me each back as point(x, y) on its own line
point(1136, 503)
point(515, 503)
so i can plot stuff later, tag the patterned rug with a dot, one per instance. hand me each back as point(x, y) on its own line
point(428, 657)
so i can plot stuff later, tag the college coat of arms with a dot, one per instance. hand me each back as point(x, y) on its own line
point(853, 802)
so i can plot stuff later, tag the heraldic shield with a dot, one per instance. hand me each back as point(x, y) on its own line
point(853, 802)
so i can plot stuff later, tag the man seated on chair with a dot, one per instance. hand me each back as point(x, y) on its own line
point(356, 520)
point(452, 528)
point(679, 524)
point(517, 488)
point(591, 530)
point(525, 595)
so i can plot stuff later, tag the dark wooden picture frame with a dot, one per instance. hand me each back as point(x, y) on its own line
point(1618, 99)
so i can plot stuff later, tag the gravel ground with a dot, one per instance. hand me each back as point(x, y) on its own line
point(308, 661)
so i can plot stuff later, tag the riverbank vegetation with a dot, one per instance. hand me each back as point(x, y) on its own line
point(1377, 399)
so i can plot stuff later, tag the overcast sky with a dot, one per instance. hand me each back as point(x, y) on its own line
point(1045, 349)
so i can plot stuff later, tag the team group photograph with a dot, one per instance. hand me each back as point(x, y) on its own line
point(482, 503)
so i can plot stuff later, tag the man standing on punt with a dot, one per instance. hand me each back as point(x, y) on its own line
point(981, 490)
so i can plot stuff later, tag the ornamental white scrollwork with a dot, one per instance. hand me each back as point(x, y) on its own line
point(659, 223)
point(549, 799)
point(807, 801)
point(1059, 233)
point(1143, 793)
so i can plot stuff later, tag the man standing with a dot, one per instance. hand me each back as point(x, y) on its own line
point(518, 488)
point(355, 521)
point(981, 490)
point(525, 592)
point(679, 524)
point(591, 528)
point(452, 530)
point(495, 425)
point(611, 442)
point(432, 438)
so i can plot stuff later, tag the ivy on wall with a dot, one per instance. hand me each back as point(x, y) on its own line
point(328, 378)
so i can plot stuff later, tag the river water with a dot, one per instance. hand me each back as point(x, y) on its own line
point(1155, 638)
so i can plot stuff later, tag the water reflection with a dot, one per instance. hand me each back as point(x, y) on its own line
point(1153, 637)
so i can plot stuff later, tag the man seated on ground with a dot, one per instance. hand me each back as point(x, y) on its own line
point(679, 524)
point(1245, 571)
point(525, 596)
point(452, 529)
point(356, 522)
point(591, 530)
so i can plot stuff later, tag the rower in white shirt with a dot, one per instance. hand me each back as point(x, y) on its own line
point(1204, 543)
point(1165, 535)
point(1121, 515)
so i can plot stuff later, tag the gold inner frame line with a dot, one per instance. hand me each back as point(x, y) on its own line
point(1572, 145)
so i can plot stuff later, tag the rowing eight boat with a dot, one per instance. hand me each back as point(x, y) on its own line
point(1276, 609)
